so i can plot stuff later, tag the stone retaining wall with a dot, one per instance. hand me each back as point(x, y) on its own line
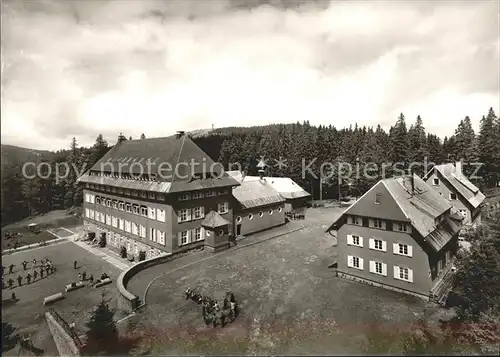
point(128, 301)
point(65, 344)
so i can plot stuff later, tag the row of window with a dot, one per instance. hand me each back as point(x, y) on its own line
point(191, 214)
point(149, 212)
point(199, 194)
point(194, 235)
point(136, 229)
point(154, 195)
point(126, 192)
point(261, 214)
point(378, 223)
point(380, 268)
point(381, 245)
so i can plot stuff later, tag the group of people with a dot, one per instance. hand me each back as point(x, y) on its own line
point(45, 268)
point(212, 311)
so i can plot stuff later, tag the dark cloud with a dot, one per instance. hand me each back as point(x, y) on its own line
point(79, 68)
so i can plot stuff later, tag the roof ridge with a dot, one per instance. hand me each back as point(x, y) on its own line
point(394, 198)
point(178, 158)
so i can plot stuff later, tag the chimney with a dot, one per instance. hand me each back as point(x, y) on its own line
point(180, 134)
point(458, 168)
point(261, 174)
point(412, 181)
point(121, 138)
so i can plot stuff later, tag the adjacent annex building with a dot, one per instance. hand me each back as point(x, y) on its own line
point(449, 181)
point(145, 195)
point(258, 206)
point(401, 235)
point(296, 197)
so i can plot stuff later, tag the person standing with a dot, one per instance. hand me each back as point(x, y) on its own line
point(19, 280)
point(11, 267)
point(35, 275)
point(10, 282)
point(28, 278)
point(74, 264)
point(34, 262)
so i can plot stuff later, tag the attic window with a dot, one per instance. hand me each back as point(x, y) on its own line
point(453, 196)
point(435, 182)
point(377, 198)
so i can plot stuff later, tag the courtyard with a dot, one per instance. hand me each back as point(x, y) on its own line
point(28, 313)
point(291, 302)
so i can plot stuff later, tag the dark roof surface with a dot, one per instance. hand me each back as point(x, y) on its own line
point(214, 220)
point(460, 183)
point(422, 206)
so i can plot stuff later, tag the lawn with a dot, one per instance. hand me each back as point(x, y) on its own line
point(27, 315)
point(49, 220)
point(291, 302)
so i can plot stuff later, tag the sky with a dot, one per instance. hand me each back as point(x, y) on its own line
point(80, 68)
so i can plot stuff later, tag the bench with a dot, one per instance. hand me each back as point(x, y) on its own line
point(103, 282)
point(52, 298)
point(74, 286)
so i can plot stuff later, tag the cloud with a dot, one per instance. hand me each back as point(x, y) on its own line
point(79, 68)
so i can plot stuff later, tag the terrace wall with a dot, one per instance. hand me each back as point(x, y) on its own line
point(128, 301)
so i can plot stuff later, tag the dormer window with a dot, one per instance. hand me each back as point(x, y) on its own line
point(355, 220)
point(435, 182)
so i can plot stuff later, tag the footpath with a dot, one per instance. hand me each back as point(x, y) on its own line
point(104, 253)
point(140, 282)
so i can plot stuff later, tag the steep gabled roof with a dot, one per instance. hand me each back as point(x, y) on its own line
point(214, 220)
point(401, 200)
point(466, 189)
point(286, 187)
point(423, 206)
point(175, 161)
point(256, 193)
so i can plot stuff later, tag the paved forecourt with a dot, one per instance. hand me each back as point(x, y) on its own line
point(27, 314)
point(291, 302)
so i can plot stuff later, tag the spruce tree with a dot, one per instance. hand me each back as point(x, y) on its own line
point(102, 334)
point(487, 146)
point(399, 142)
point(417, 145)
point(465, 142)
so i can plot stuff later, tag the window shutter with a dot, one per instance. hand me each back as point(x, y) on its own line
point(360, 241)
point(384, 269)
point(395, 248)
point(349, 239)
point(179, 241)
point(188, 214)
point(349, 261)
point(189, 236)
point(202, 211)
point(179, 217)
point(361, 263)
point(384, 246)
point(371, 243)
point(410, 275)
point(410, 251)
point(372, 266)
point(396, 272)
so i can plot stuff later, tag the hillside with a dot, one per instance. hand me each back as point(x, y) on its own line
point(15, 156)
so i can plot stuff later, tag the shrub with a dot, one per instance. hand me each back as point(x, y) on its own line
point(123, 252)
point(142, 255)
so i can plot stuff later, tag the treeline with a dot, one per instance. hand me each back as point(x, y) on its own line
point(404, 143)
point(30, 192)
point(291, 143)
